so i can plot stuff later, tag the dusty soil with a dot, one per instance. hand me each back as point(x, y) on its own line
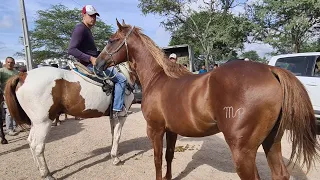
point(79, 150)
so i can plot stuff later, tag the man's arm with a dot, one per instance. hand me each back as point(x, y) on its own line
point(75, 41)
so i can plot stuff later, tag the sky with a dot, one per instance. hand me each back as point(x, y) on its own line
point(109, 10)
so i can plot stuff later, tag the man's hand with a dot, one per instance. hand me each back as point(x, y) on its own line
point(93, 60)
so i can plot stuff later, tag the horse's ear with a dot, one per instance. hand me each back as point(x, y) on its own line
point(123, 23)
point(119, 25)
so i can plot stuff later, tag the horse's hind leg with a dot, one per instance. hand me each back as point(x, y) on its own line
point(171, 139)
point(244, 160)
point(116, 129)
point(37, 137)
point(244, 151)
point(272, 149)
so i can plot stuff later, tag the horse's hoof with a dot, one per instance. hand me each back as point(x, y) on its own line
point(116, 161)
point(292, 178)
point(49, 177)
point(4, 141)
point(165, 178)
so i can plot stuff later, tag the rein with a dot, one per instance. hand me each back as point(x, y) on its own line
point(124, 42)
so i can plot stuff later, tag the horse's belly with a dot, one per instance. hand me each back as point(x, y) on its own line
point(94, 97)
point(195, 128)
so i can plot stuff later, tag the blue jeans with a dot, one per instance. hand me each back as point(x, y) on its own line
point(120, 85)
point(10, 122)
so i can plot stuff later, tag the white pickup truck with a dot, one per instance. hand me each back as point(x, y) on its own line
point(306, 68)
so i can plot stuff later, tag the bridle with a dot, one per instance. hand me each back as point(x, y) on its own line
point(110, 54)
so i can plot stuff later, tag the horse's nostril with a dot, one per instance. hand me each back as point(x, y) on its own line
point(100, 65)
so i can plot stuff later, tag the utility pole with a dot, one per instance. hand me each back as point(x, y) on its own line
point(26, 39)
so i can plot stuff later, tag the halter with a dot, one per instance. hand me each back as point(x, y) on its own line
point(124, 42)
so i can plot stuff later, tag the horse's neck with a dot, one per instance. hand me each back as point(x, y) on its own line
point(146, 67)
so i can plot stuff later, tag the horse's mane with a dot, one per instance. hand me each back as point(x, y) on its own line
point(171, 69)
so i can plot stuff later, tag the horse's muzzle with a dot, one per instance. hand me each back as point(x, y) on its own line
point(101, 65)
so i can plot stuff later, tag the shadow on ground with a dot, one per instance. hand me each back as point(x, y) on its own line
point(66, 129)
point(216, 153)
point(135, 110)
point(142, 144)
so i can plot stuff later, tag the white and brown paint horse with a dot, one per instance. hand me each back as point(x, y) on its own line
point(37, 96)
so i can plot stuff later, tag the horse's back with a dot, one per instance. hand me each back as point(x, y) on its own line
point(47, 74)
point(52, 89)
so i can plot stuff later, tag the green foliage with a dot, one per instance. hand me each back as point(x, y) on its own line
point(225, 35)
point(287, 24)
point(252, 55)
point(52, 32)
point(311, 46)
point(212, 31)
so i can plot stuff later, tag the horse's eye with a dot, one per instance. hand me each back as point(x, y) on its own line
point(110, 41)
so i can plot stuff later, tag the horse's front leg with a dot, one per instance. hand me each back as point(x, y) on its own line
point(171, 139)
point(116, 129)
point(156, 136)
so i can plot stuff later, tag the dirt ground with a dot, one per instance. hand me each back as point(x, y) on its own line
point(79, 150)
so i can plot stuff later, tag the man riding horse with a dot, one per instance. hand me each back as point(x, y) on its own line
point(83, 48)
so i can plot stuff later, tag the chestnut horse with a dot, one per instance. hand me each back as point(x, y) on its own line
point(250, 103)
point(37, 96)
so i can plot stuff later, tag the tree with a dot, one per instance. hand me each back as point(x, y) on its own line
point(213, 31)
point(252, 55)
point(219, 43)
point(313, 46)
point(52, 32)
point(286, 25)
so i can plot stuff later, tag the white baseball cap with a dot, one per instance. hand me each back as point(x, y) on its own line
point(173, 55)
point(89, 9)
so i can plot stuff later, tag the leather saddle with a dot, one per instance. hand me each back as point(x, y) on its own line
point(106, 84)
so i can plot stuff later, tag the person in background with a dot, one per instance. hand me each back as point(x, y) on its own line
point(186, 66)
point(7, 72)
point(203, 70)
point(173, 57)
point(215, 66)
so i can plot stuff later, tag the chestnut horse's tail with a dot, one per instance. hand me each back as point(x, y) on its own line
point(13, 104)
point(298, 117)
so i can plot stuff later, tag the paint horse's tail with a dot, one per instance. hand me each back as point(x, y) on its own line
point(298, 117)
point(13, 104)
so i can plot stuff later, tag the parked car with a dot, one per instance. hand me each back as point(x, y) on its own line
point(306, 68)
point(137, 93)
